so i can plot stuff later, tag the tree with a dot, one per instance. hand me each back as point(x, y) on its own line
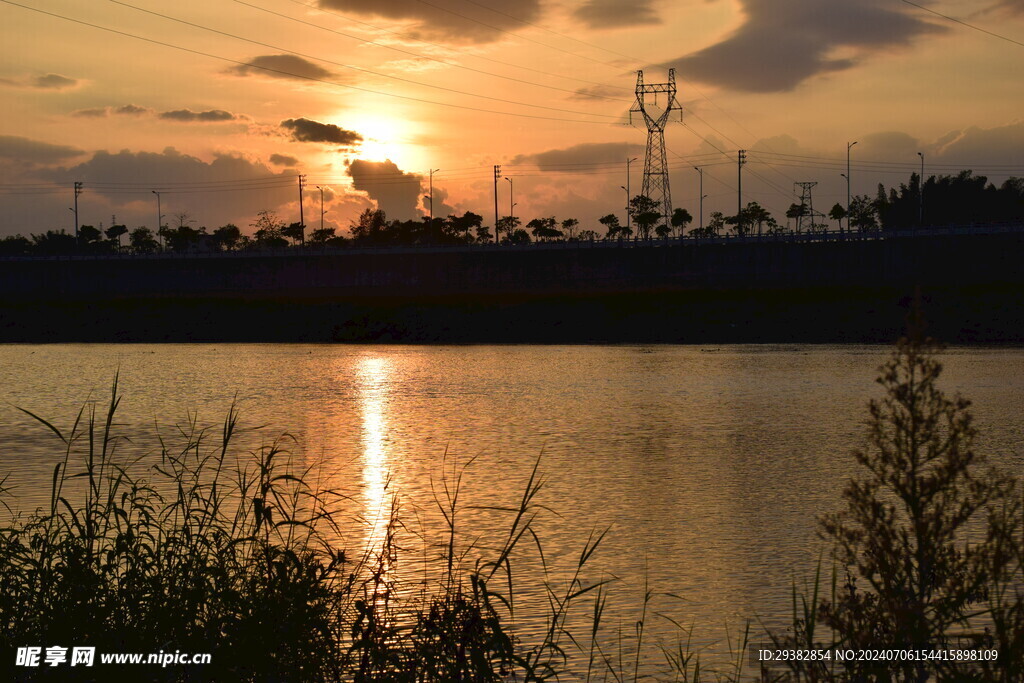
point(320, 236)
point(460, 227)
point(914, 580)
point(796, 212)
point(227, 237)
point(587, 235)
point(88, 234)
point(644, 211)
point(142, 241)
point(611, 224)
point(506, 226)
point(544, 228)
point(755, 214)
point(863, 214)
point(569, 227)
point(680, 219)
point(53, 242)
point(296, 232)
point(838, 213)
point(15, 245)
point(483, 234)
point(114, 233)
point(267, 229)
point(716, 221)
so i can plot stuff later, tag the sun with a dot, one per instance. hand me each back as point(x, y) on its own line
point(384, 138)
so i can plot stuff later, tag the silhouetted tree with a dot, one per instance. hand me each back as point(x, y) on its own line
point(569, 228)
point(53, 242)
point(15, 245)
point(915, 580)
point(142, 241)
point(461, 228)
point(227, 237)
point(114, 233)
point(863, 215)
point(587, 235)
point(612, 227)
point(506, 226)
point(544, 228)
point(320, 236)
point(838, 213)
point(296, 232)
point(88, 235)
point(267, 229)
point(716, 221)
point(483, 234)
point(680, 219)
point(644, 212)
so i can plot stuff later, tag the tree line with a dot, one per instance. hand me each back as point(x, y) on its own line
point(958, 199)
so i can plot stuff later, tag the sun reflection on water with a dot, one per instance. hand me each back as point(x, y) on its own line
point(373, 375)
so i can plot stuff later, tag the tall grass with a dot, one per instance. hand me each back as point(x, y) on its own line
point(200, 548)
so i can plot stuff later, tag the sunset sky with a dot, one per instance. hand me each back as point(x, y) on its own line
point(218, 105)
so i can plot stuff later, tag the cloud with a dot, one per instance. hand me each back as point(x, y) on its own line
point(395, 191)
point(25, 150)
point(283, 160)
point(123, 110)
point(306, 130)
point(187, 115)
point(601, 92)
point(234, 188)
point(617, 13)
point(130, 110)
point(90, 113)
point(589, 153)
point(281, 66)
point(53, 82)
point(782, 43)
point(45, 82)
point(482, 21)
point(977, 147)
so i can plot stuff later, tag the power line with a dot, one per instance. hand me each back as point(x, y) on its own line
point(293, 74)
point(354, 68)
point(417, 54)
point(447, 48)
point(964, 23)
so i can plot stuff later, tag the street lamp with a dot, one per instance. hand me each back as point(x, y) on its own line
point(702, 196)
point(432, 172)
point(159, 218)
point(626, 189)
point(321, 208)
point(848, 146)
point(511, 204)
point(920, 185)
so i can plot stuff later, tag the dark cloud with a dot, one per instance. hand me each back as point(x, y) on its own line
point(395, 191)
point(483, 21)
point(230, 177)
point(281, 66)
point(53, 82)
point(124, 110)
point(617, 13)
point(601, 92)
point(306, 130)
point(130, 110)
point(976, 147)
point(24, 150)
point(283, 160)
point(570, 158)
point(188, 116)
point(90, 113)
point(47, 82)
point(784, 42)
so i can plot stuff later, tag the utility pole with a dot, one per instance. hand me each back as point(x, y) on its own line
point(159, 218)
point(511, 204)
point(321, 208)
point(701, 194)
point(849, 145)
point(920, 186)
point(78, 191)
point(628, 162)
point(497, 175)
point(302, 217)
point(655, 162)
point(432, 172)
point(741, 158)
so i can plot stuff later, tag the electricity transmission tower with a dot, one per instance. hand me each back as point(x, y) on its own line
point(808, 217)
point(655, 162)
